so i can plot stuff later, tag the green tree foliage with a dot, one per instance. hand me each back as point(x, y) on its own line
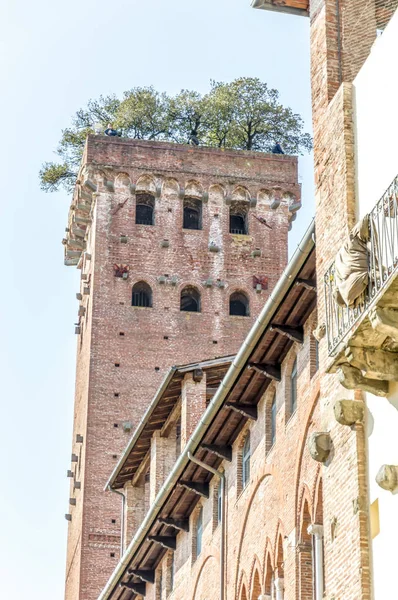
point(243, 114)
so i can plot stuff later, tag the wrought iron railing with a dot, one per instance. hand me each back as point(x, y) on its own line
point(382, 267)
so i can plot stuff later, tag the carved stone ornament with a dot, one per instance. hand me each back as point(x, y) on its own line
point(387, 478)
point(319, 446)
point(348, 412)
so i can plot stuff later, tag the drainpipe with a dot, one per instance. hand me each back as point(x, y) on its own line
point(317, 532)
point(122, 519)
point(221, 477)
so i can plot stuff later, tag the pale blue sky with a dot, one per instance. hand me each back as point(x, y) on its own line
point(54, 57)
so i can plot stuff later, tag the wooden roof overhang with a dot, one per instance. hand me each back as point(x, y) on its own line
point(260, 370)
point(159, 412)
point(295, 7)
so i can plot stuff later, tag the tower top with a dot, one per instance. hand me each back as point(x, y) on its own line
point(128, 166)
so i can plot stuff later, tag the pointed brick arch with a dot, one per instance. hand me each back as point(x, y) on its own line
point(256, 586)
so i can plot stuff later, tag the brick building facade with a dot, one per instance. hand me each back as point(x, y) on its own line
point(178, 248)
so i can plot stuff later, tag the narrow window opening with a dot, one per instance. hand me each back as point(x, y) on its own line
point(293, 388)
point(239, 305)
point(117, 364)
point(219, 503)
point(172, 572)
point(246, 462)
point(273, 421)
point(190, 300)
point(141, 295)
point(199, 532)
point(112, 555)
point(113, 520)
point(144, 209)
point(116, 394)
point(192, 214)
point(178, 437)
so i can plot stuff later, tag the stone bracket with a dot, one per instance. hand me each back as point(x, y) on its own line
point(387, 478)
point(352, 379)
point(348, 412)
point(375, 362)
point(319, 446)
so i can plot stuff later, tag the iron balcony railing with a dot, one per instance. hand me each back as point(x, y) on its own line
point(382, 267)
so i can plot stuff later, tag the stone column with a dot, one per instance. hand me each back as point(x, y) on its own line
point(193, 403)
point(280, 588)
point(163, 456)
point(317, 532)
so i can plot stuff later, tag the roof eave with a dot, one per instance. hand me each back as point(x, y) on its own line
point(266, 5)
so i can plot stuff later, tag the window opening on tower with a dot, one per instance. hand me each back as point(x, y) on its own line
point(144, 209)
point(190, 300)
point(141, 295)
point(192, 214)
point(239, 304)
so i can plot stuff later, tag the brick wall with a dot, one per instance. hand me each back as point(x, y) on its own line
point(266, 522)
point(124, 351)
point(339, 46)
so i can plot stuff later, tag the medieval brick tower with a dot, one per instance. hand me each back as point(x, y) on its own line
point(178, 249)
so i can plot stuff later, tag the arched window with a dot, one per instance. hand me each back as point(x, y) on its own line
point(199, 532)
point(293, 388)
point(239, 304)
point(273, 421)
point(238, 213)
point(246, 461)
point(142, 295)
point(144, 209)
point(190, 300)
point(192, 214)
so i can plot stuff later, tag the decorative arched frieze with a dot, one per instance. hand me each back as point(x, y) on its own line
point(194, 189)
point(148, 184)
point(170, 186)
point(255, 578)
point(122, 182)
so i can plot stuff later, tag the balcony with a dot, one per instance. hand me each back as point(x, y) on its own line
point(363, 337)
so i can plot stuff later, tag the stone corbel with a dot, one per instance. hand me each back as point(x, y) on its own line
point(385, 321)
point(348, 412)
point(376, 363)
point(319, 446)
point(387, 478)
point(352, 379)
point(319, 332)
